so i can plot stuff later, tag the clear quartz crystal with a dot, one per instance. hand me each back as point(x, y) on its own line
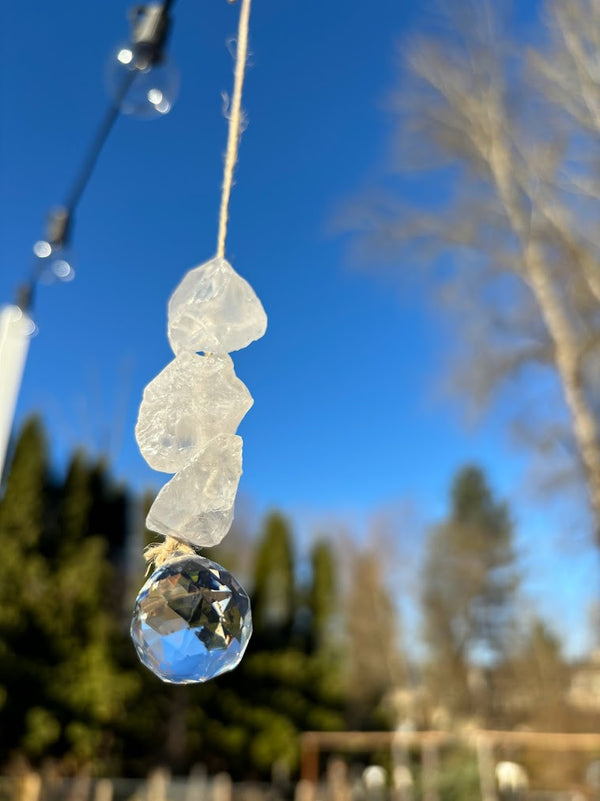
point(191, 401)
point(196, 505)
point(191, 621)
point(214, 310)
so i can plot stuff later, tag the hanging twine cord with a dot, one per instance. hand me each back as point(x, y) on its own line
point(157, 553)
point(235, 123)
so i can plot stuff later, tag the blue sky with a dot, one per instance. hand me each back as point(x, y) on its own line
point(347, 419)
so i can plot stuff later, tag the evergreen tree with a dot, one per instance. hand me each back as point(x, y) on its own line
point(326, 687)
point(64, 691)
point(109, 509)
point(23, 589)
point(22, 510)
point(469, 585)
point(86, 684)
point(255, 715)
point(70, 685)
point(274, 592)
point(322, 596)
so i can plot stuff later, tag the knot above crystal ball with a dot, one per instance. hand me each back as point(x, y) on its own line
point(191, 621)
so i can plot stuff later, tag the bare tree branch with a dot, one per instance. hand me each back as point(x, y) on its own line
point(519, 127)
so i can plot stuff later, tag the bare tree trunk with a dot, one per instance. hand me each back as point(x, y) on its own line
point(568, 364)
point(567, 351)
point(471, 111)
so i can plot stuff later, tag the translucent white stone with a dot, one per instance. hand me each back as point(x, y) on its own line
point(191, 401)
point(214, 310)
point(196, 505)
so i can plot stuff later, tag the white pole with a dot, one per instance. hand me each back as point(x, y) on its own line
point(16, 329)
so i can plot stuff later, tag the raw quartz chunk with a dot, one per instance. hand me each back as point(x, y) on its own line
point(191, 401)
point(214, 310)
point(196, 505)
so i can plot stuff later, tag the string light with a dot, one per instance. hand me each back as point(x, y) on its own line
point(143, 65)
point(143, 82)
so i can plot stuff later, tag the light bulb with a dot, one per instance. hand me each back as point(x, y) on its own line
point(141, 87)
point(56, 262)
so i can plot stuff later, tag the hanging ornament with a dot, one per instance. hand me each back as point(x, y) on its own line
point(192, 618)
point(191, 621)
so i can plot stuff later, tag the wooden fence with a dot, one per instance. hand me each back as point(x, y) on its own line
point(484, 743)
point(324, 778)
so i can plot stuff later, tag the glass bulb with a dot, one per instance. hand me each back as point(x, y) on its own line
point(142, 89)
point(56, 262)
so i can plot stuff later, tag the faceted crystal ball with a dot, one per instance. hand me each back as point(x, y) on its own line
point(191, 401)
point(191, 621)
point(214, 310)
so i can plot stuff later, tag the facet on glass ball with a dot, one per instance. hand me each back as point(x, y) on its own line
point(191, 621)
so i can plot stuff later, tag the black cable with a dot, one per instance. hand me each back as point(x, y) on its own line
point(98, 143)
point(26, 292)
point(105, 128)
